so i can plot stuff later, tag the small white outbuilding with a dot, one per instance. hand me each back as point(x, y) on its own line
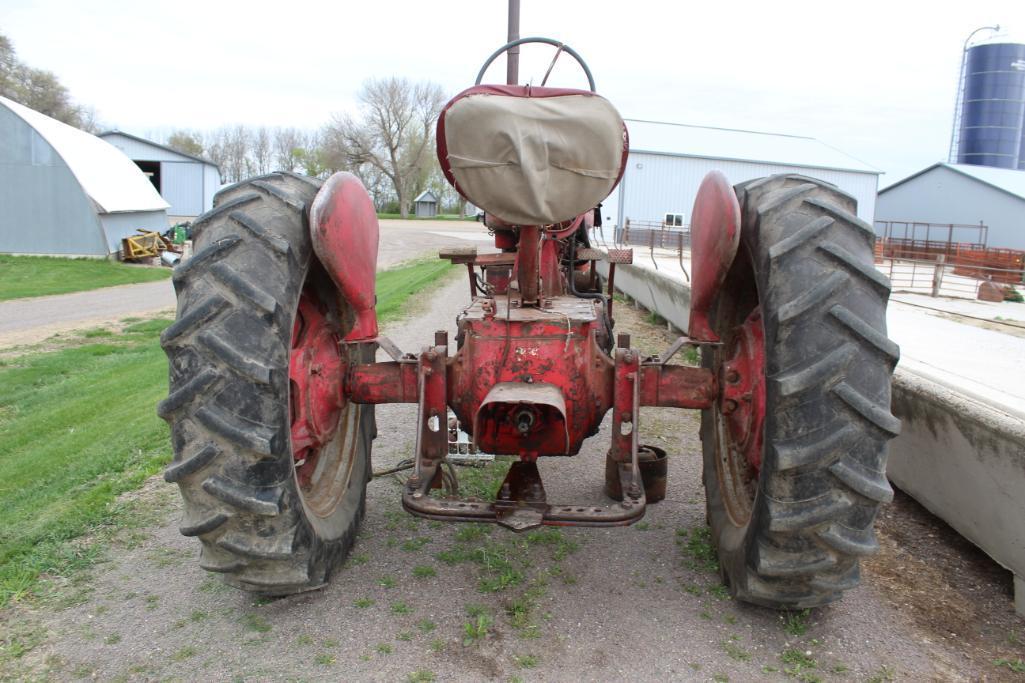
point(188, 183)
point(66, 192)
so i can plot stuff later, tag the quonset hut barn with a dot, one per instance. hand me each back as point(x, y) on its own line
point(66, 192)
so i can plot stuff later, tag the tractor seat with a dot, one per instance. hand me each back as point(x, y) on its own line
point(532, 156)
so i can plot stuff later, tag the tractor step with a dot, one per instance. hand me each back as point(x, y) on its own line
point(522, 503)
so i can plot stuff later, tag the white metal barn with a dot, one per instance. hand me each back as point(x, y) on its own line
point(65, 192)
point(668, 160)
point(961, 194)
point(187, 182)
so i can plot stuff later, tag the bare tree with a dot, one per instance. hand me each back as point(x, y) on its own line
point(288, 146)
point(261, 146)
point(393, 134)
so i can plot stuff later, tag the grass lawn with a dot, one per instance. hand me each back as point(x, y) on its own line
point(78, 426)
point(22, 276)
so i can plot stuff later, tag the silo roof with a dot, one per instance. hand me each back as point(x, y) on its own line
point(679, 139)
point(112, 180)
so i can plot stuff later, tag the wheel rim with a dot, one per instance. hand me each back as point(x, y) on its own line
point(740, 415)
point(321, 418)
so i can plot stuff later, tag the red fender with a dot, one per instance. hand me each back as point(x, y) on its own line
point(714, 238)
point(343, 225)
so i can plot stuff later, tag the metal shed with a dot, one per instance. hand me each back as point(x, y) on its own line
point(66, 192)
point(425, 205)
point(961, 194)
point(668, 160)
point(188, 183)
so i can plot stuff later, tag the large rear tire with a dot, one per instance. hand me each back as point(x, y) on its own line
point(265, 522)
point(791, 518)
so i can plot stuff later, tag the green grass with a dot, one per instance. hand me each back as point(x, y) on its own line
point(395, 286)
point(78, 427)
point(24, 276)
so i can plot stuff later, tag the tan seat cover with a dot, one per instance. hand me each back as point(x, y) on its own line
point(533, 160)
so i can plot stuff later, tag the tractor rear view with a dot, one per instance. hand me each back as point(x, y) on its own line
point(274, 371)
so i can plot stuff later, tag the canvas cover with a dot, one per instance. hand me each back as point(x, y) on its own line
point(532, 156)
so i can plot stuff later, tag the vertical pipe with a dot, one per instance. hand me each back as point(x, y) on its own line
point(512, 57)
point(527, 263)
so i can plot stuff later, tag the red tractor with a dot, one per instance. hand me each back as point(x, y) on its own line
point(273, 374)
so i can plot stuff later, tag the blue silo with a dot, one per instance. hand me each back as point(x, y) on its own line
point(993, 106)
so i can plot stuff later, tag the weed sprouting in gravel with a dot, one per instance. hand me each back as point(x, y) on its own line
point(401, 608)
point(736, 652)
point(799, 665)
point(363, 603)
point(415, 544)
point(325, 659)
point(405, 636)
point(421, 676)
point(254, 622)
point(700, 551)
point(478, 629)
point(1015, 665)
point(384, 648)
point(881, 675)
point(423, 571)
point(437, 645)
point(426, 625)
point(526, 661)
point(795, 623)
point(387, 582)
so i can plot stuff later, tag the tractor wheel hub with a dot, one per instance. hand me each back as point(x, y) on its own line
point(315, 376)
point(743, 389)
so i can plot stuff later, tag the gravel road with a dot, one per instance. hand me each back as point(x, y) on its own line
point(637, 603)
point(26, 321)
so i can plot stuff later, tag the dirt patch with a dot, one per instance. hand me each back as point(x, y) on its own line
point(952, 592)
point(1014, 329)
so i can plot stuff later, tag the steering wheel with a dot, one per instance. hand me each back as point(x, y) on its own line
point(549, 41)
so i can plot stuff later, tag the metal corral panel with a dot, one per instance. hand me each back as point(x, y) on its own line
point(656, 184)
point(43, 208)
point(959, 194)
point(117, 226)
point(140, 150)
point(181, 185)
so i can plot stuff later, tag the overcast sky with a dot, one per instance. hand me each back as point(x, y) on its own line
point(874, 79)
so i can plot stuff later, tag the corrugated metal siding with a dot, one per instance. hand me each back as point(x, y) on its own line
point(181, 185)
point(43, 208)
point(668, 184)
point(141, 151)
point(944, 196)
point(117, 226)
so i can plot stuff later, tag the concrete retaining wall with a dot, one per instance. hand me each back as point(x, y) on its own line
point(962, 460)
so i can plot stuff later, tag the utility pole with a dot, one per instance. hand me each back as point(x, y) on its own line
point(512, 65)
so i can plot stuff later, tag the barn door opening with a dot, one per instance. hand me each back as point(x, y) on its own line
point(152, 171)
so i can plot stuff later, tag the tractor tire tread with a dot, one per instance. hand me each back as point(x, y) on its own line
point(228, 401)
point(828, 366)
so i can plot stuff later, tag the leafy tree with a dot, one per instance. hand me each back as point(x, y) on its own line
point(40, 90)
point(186, 142)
